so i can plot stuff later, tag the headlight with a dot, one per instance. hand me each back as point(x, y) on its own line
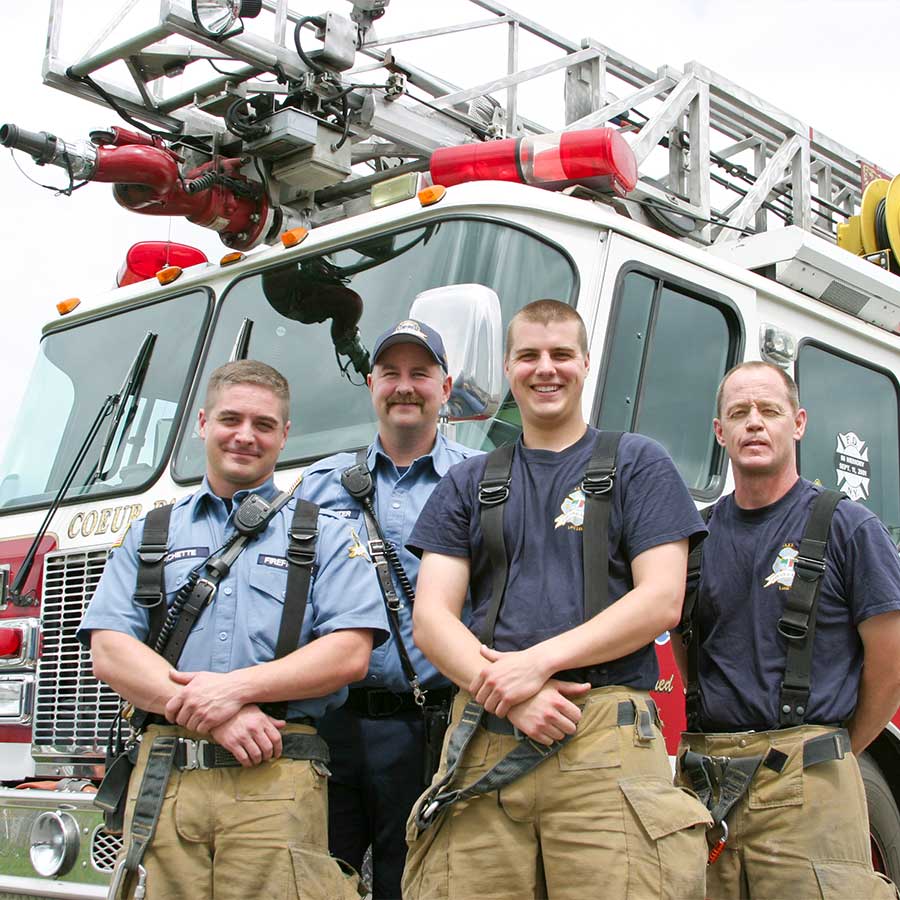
point(54, 843)
point(216, 17)
point(16, 698)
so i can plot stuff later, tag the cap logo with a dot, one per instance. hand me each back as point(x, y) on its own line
point(409, 326)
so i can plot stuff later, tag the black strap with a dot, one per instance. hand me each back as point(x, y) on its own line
point(522, 759)
point(797, 623)
point(359, 483)
point(798, 619)
point(493, 492)
point(690, 631)
point(193, 754)
point(301, 554)
point(597, 485)
point(150, 589)
point(147, 807)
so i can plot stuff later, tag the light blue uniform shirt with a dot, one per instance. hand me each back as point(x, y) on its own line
point(239, 627)
point(398, 501)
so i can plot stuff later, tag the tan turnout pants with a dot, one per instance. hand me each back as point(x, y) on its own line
point(798, 835)
point(236, 833)
point(600, 819)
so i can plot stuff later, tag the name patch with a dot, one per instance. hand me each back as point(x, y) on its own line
point(345, 513)
point(273, 562)
point(186, 553)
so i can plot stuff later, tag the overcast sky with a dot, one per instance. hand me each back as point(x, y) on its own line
point(827, 62)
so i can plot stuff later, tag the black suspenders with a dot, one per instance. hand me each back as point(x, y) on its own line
point(597, 485)
point(150, 589)
point(493, 492)
point(798, 620)
point(797, 623)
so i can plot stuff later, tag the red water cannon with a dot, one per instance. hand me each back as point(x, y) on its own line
point(147, 179)
point(599, 158)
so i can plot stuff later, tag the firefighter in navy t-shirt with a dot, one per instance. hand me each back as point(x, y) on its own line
point(800, 828)
point(600, 817)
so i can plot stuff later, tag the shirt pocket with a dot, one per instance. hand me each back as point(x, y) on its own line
point(176, 575)
point(268, 586)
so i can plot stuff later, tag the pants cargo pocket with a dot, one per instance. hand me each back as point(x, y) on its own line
point(318, 876)
point(426, 875)
point(667, 824)
point(840, 879)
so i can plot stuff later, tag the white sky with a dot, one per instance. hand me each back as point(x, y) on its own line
point(826, 62)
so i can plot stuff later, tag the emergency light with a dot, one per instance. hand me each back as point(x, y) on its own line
point(147, 258)
point(597, 157)
point(10, 641)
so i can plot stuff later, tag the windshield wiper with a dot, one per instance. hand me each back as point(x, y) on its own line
point(126, 406)
point(242, 341)
point(113, 403)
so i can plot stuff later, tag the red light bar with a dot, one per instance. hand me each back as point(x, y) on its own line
point(10, 641)
point(145, 259)
point(597, 157)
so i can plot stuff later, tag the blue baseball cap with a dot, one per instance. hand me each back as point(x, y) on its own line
point(412, 331)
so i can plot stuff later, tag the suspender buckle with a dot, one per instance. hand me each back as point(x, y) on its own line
point(493, 493)
point(598, 481)
point(147, 599)
point(376, 548)
point(152, 554)
point(302, 547)
point(809, 568)
point(793, 631)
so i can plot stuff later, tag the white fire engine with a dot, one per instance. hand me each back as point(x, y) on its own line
point(691, 223)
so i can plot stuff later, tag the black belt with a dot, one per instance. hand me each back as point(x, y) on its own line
point(626, 714)
point(199, 754)
point(593, 675)
point(379, 703)
point(720, 781)
point(730, 728)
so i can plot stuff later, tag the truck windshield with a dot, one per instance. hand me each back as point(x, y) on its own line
point(77, 369)
point(296, 313)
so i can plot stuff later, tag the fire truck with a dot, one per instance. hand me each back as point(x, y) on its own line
point(691, 223)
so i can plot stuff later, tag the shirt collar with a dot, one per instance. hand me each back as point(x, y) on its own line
point(439, 455)
point(267, 490)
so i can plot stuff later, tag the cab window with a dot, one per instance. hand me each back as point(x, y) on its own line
point(667, 350)
point(851, 441)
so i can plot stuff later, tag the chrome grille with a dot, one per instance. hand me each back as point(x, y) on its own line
point(73, 711)
point(104, 847)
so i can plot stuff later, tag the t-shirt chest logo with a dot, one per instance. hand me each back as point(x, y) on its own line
point(783, 568)
point(572, 511)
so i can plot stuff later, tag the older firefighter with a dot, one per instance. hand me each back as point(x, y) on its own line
point(248, 593)
point(573, 543)
point(386, 739)
point(791, 661)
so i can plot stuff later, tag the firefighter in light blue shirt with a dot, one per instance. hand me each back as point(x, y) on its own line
point(381, 740)
point(238, 805)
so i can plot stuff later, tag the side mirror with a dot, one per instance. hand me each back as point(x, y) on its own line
point(467, 316)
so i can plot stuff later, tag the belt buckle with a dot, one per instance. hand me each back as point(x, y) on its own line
point(193, 754)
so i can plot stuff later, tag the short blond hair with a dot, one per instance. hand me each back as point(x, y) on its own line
point(249, 371)
point(543, 312)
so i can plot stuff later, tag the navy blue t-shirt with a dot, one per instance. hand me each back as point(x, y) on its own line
point(747, 571)
point(543, 532)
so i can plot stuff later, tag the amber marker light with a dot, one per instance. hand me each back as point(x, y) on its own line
point(230, 258)
point(431, 195)
point(169, 274)
point(293, 237)
point(64, 307)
